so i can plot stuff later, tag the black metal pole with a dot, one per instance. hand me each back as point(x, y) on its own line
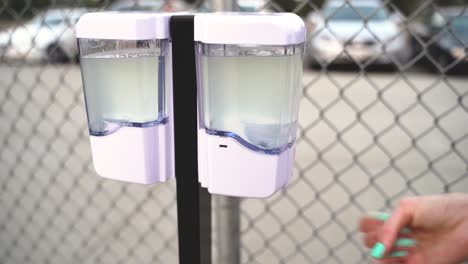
point(193, 202)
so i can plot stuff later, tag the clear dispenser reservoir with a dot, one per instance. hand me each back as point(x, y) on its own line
point(126, 66)
point(251, 93)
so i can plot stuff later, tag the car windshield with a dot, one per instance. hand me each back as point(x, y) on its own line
point(139, 8)
point(355, 13)
point(460, 24)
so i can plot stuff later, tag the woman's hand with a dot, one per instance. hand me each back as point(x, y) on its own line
point(421, 230)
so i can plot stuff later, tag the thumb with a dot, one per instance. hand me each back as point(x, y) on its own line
point(388, 233)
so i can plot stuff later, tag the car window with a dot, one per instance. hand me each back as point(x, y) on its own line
point(460, 24)
point(247, 9)
point(137, 5)
point(357, 13)
point(52, 22)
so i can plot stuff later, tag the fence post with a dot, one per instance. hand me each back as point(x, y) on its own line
point(227, 213)
point(228, 229)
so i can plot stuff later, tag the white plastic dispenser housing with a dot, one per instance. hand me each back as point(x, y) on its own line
point(126, 69)
point(249, 73)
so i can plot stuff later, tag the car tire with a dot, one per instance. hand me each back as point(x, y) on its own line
point(311, 63)
point(444, 60)
point(55, 54)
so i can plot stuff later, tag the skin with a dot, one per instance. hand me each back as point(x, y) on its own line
point(439, 224)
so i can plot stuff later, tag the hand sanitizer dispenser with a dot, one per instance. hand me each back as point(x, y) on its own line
point(126, 69)
point(249, 71)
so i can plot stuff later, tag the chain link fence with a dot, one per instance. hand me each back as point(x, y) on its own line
point(384, 115)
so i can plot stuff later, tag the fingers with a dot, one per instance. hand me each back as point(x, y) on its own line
point(372, 222)
point(400, 242)
point(390, 230)
point(368, 224)
point(392, 260)
point(396, 256)
point(401, 248)
point(370, 239)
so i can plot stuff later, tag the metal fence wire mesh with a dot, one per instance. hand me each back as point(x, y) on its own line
point(368, 136)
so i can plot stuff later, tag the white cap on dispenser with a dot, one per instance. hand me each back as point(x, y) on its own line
point(249, 28)
point(127, 25)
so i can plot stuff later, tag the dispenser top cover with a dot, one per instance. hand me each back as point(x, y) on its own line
point(249, 28)
point(124, 25)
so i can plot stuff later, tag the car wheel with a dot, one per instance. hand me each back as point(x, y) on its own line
point(311, 63)
point(56, 54)
point(443, 60)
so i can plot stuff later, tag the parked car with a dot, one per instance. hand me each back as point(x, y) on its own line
point(149, 5)
point(252, 6)
point(50, 35)
point(360, 31)
point(179, 5)
point(448, 38)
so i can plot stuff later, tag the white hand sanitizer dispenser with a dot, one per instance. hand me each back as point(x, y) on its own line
point(249, 69)
point(126, 69)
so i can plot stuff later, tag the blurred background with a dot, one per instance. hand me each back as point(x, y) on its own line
point(384, 115)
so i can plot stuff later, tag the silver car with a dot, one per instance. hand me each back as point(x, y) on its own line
point(50, 36)
point(359, 31)
point(149, 5)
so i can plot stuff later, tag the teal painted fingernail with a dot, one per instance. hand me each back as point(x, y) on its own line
point(405, 242)
point(405, 231)
point(398, 254)
point(379, 216)
point(378, 250)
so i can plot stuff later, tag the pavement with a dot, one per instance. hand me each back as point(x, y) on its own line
point(366, 140)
